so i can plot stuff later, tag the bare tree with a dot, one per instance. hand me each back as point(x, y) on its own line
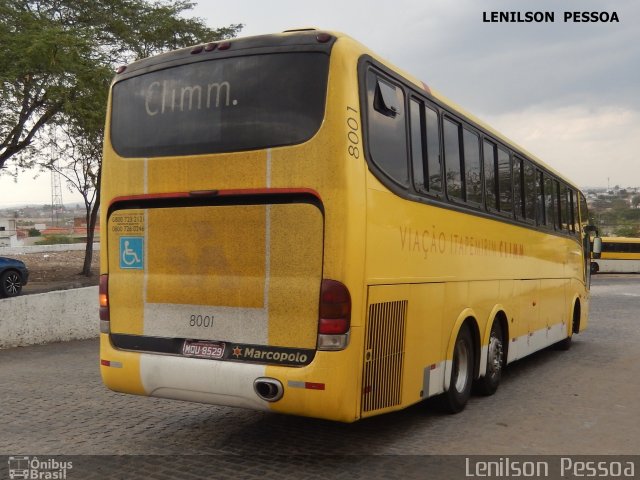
point(81, 167)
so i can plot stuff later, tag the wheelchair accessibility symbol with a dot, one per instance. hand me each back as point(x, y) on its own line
point(132, 253)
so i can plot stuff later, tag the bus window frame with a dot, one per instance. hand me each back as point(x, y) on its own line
point(439, 199)
point(524, 163)
point(386, 77)
point(463, 194)
point(465, 126)
point(423, 105)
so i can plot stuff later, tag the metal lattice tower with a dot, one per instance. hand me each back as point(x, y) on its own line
point(56, 186)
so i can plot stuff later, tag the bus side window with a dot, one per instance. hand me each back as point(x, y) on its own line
point(574, 211)
point(518, 190)
point(559, 205)
point(571, 211)
point(386, 100)
point(454, 173)
point(473, 176)
point(387, 139)
point(504, 181)
point(434, 164)
point(540, 206)
point(416, 116)
point(550, 218)
point(490, 175)
point(529, 191)
point(425, 148)
point(562, 193)
point(584, 211)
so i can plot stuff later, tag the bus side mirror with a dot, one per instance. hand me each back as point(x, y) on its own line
point(597, 247)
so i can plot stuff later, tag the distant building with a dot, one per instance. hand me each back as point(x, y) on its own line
point(80, 228)
point(8, 233)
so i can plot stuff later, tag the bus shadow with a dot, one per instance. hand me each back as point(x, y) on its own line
point(239, 432)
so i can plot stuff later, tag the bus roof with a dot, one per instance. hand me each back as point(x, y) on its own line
point(620, 240)
point(305, 39)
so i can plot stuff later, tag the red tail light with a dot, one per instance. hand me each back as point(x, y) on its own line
point(335, 308)
point(103, 294)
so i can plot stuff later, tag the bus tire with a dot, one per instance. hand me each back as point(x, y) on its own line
point(455, 398)
point(575, 328)
point(488, 384)
point(595, 268)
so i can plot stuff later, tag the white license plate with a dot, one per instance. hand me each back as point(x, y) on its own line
point(201, 349)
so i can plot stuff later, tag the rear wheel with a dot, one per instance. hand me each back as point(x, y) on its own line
point(10, 284)
point(455, 399)
point(488, 384)
point(575, 328)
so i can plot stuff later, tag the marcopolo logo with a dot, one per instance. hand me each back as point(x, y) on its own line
point(38, 469)
point(281, 356)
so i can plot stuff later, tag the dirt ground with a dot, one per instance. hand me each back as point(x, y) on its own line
point(58, 271)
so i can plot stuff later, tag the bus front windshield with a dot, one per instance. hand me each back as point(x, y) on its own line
point(221, 105)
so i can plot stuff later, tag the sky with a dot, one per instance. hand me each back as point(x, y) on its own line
point(567, 92)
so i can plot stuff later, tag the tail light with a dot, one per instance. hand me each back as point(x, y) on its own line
point(334, 320)
point(103, 295)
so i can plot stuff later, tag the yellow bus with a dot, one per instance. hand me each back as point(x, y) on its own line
point(619, 255)
point(292, 224)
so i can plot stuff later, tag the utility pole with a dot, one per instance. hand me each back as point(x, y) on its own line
point(56, 184)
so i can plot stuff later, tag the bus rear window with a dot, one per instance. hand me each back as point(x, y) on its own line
point(223, 105)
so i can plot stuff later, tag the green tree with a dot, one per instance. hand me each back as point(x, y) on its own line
point(627, 231)
point(55, 53)
point(56, 64)
point(41, 63)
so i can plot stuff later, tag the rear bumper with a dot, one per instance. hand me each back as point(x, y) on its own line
point(317, 390)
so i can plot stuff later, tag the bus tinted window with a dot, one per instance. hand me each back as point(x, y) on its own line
point(490, 175)
point(529, 190)
point(565, 208)
point(223, 105)
point(557, 207)
point(452, 159)
point(518, 197)
point(584, 211)
point(473, 178)
point(434, 172)
point(540, 211)
point(609, 246)
point(504, 181)
point(548, 202)
point(417, 148)
point(387, 135)
point(574, 210)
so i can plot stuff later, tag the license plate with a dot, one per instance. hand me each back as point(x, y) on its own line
point(200, 349)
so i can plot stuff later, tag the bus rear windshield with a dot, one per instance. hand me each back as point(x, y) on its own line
point(223, 105)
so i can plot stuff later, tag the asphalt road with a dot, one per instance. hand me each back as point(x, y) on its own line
point(580, 402)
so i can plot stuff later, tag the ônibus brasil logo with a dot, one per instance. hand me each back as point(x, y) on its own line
point(37, 469)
